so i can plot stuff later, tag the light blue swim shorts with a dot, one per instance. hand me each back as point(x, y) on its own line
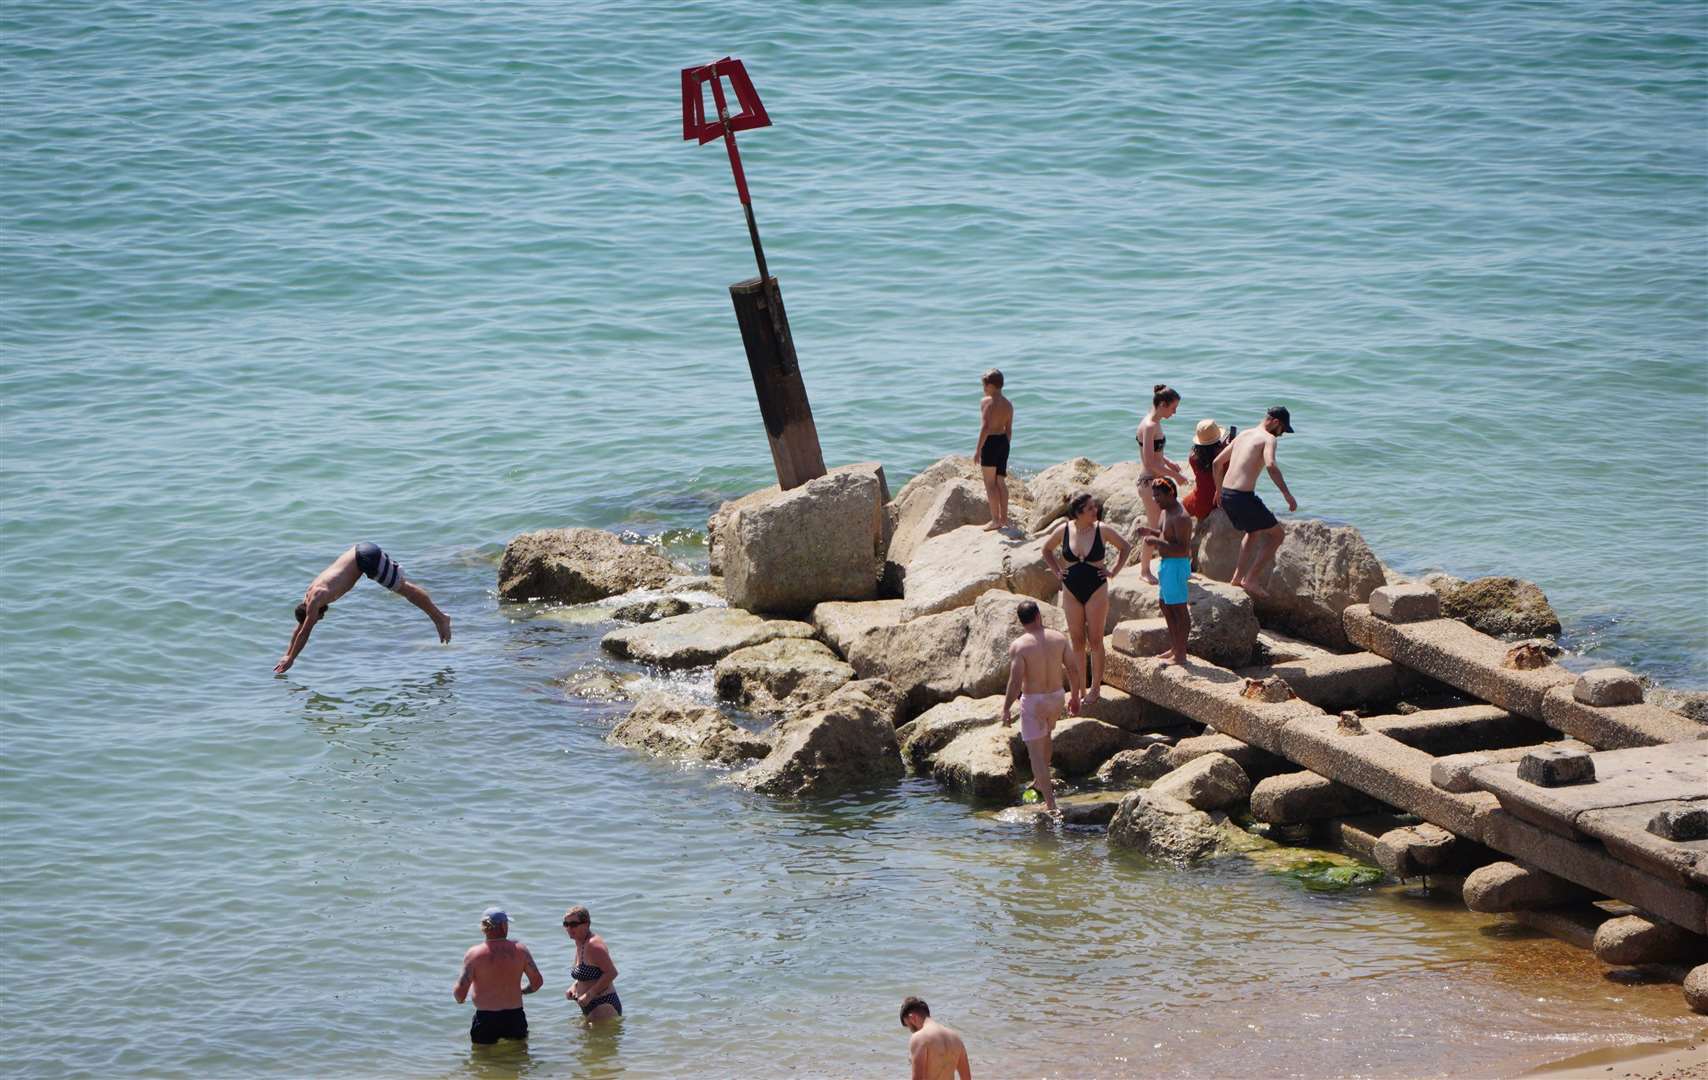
point(1172, 573)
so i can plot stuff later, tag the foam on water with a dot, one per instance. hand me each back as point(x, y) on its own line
point(278, 278)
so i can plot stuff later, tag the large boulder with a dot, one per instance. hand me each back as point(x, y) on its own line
point(957, 503)
point(577, 566)
point(717, 524)
point(1052, 488)
point(1130, 768)
point(699, 637)
point(1319, 572)
point(841, 623)
point(1080, 744)
point(1210, 782)
point(951, 570)
point(920, 657)
point(1224, 619)
point(984, 763)
point(781, 674)
point(669, 726)
point(1162, 827)
point(811, 543)
point(929, 732)
point(1502, 607)
point(846, 741)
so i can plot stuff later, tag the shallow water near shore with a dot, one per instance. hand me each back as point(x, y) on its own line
point(282, 278)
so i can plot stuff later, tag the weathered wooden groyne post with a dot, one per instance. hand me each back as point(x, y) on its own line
point(758, 301)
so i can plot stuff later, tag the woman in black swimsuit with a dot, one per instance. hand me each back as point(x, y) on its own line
point(1165, 400)
point(594, 971)
point(1075, 552)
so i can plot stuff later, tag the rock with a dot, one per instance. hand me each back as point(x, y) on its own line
point(1441, 584)
point(800, 547)
point(1207, 783)
point(1279, 648)
point(1696, 988)
point(984, 763)
point(1165, 828)
point(1526, 656)
point(1141, 637)
point(1054, 487)
point(846, 741)
point(1691, 703)
point(842, 622)
point(1117, 487)
point(1319, 572)
point(1256, 763)
point(1271, 691)
point(717, 525)
point(575, 566)
point(668, 726)
point(956, 503)
point(952, 570)
point(781, 674)
point(694, 583)
point(1502, 607)
point(1681, 824)
point(597, 684)
point(1506, 886)
point(661, 607)
point(1224, 623)
point(928, 733)
point(1555, 766)
point(1295, 798)
point(1607, 686)
point(699, 637)
point(1080, 744)
point(920, 657)
point(1415, 850)
point(1633, 939)
point(1405, 603)
point(1130, 768)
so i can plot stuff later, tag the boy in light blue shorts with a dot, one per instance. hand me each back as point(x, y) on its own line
point(1173, 541)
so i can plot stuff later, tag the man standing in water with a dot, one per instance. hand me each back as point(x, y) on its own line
point(1237, 469)
point(996, 424)
point(937, 1051)
point(1037, 661)
point(1174, 549)
point(495, 968)
point(340, 578)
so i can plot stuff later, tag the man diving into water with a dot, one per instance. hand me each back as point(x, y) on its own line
point(340, 578)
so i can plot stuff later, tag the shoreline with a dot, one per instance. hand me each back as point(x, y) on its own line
point(1673, 1059)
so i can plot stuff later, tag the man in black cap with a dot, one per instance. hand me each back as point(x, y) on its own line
point(494, 970)
point(1237, 469)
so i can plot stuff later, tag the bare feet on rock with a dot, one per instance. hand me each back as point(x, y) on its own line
point(1148, 576)
point(992, 527)
point(1251, 587)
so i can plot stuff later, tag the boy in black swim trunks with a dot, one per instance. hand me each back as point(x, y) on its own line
point(339, 578)
point(996, 425)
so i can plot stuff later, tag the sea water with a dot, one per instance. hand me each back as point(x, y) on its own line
point(279, 277)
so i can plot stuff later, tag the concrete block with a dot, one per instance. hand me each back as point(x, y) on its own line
point(1463, 658)
point(1593, 868)
point(1357, 835)
point(1615, 727)
point(1696, 988)
point(1633, 939)
point(1210, 782)
point(1553, 766)
point(1416, 850)
point(1606, 686)
point(1405, 603)
point(1453, 772)
point(1681, 823)
point(1342, 681)
point(1294, 798)
point(1627, 834)
point(1574, 925)
point(1141, 637)
point(1507, 886)
point(1626, 778)
point(1384, 769)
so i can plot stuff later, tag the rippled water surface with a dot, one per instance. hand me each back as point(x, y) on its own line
point(280, 277)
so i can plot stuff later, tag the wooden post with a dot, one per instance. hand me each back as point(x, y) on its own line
point(777, 381)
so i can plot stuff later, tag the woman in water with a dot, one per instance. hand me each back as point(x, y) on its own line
point(1207, 442)
point(594, 971)
point(1152, 464)
point(1085, 585)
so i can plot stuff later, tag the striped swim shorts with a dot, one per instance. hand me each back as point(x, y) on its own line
point(379, 566)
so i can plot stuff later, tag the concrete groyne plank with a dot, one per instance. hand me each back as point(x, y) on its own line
point(1451, 652)
point(1614, 727)
point(1631, 777)
point(1625, 832)
point(1208, 694)
point(1349, 681)
point(1385, 769)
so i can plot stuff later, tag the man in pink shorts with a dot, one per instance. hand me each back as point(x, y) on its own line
point(1038, 661)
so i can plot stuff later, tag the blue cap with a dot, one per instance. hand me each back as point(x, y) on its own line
point(495, 916)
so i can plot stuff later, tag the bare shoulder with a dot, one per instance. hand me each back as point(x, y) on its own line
point(475, 952)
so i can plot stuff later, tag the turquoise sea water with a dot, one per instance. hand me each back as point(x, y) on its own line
point(278, 277)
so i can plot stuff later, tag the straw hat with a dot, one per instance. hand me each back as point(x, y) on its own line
point(1209, 433)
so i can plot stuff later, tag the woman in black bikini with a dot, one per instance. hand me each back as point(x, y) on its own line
point(1152, 464)
point(594, 971)
point(1079, 542)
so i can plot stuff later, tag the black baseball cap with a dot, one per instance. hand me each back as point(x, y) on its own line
point(1279, 412)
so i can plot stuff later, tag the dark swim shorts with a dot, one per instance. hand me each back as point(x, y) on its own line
point(490, 1025)
point(1247, 511)
point(994, 454)
point(375, 563)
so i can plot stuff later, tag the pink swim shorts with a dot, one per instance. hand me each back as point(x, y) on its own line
point(1039, 712)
